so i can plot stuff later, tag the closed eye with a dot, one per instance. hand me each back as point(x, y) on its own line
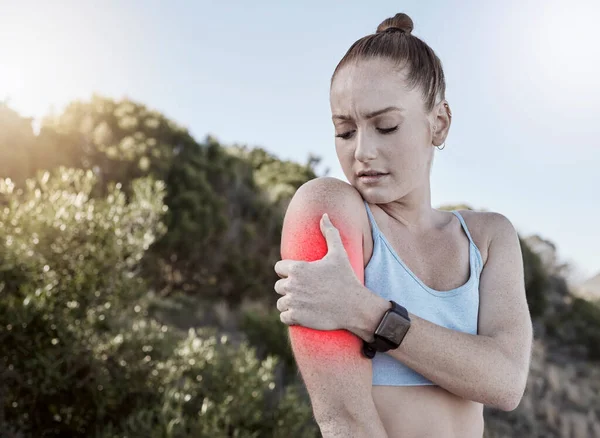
point(347, 135)
point(387, 131)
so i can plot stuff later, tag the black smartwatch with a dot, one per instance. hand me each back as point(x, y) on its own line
point(390, 332)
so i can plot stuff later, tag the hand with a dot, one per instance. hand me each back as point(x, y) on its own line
point(325, 294)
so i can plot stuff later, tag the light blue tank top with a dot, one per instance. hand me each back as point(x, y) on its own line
point(389, 277)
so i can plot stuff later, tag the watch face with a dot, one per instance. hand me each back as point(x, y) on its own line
point(393, 327)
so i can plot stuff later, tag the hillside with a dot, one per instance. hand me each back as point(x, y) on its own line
point(590, 288)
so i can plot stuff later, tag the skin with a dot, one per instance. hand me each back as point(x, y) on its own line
point(330, 311)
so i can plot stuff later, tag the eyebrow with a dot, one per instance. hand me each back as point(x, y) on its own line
point(369, 115)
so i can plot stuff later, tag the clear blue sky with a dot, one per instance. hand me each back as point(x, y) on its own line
point(522, 82)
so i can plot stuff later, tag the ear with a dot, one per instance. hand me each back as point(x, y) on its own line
point(441, 123)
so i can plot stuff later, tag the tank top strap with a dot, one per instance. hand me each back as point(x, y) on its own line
point(476, 254)
point(464, 225)
point(374, 227)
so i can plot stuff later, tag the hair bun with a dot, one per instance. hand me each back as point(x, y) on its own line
point(400, 22)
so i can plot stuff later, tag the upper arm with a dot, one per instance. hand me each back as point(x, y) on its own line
point(330, 362)
point(503, 311)
point(302, 238)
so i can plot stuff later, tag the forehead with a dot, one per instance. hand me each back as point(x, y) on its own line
point(369, 85)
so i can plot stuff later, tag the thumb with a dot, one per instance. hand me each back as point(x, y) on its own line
point(332, 235)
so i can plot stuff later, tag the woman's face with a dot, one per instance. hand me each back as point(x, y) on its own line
point(381, 126)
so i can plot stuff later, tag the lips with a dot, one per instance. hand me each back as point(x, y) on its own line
point(370, 173)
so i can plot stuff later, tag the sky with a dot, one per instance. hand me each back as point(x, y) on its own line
point(521, 82)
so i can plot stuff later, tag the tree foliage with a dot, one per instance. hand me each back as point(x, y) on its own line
point(79, 354)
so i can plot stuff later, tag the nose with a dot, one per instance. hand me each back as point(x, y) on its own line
point(365, 149)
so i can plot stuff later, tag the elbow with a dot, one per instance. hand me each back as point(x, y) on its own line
point(511, 395)
point(510, 385)
point(363, 422)
point(509, 403)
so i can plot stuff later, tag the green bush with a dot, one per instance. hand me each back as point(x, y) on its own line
point(536, 280)
point(209, 388)
point(269, 336)
point(80, 357)
point(584, 321)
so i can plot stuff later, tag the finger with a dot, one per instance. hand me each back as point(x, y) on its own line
point(284, 267)
point(287, 318)
point(282, 304)
point(332, 235)
point(290, 268)
point(280, 286)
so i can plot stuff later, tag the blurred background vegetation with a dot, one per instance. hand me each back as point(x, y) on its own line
point(137, 282)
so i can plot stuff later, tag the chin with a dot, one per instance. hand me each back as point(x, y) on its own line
point(381, 195)
point(375, 195)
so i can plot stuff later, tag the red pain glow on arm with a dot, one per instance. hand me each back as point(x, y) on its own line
point(302, 239)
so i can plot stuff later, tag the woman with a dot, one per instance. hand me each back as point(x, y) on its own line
point(404, 320)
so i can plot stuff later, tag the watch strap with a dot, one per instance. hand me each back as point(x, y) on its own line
point(399, 309)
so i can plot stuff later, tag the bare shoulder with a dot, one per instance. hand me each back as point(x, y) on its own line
point(485, 226)
point(333, 196)
point(344, 206)
point(329, 191)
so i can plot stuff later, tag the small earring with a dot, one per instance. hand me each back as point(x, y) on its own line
point(439, 148)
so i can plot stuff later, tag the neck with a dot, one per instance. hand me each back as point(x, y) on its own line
point(414, 210)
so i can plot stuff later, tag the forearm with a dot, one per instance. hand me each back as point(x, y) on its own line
point(338, 381)
point(471, 366)
point(362, 426)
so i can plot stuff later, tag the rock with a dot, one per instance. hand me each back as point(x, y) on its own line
point(553, 375)
point(579, 426)
point(562, 399)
